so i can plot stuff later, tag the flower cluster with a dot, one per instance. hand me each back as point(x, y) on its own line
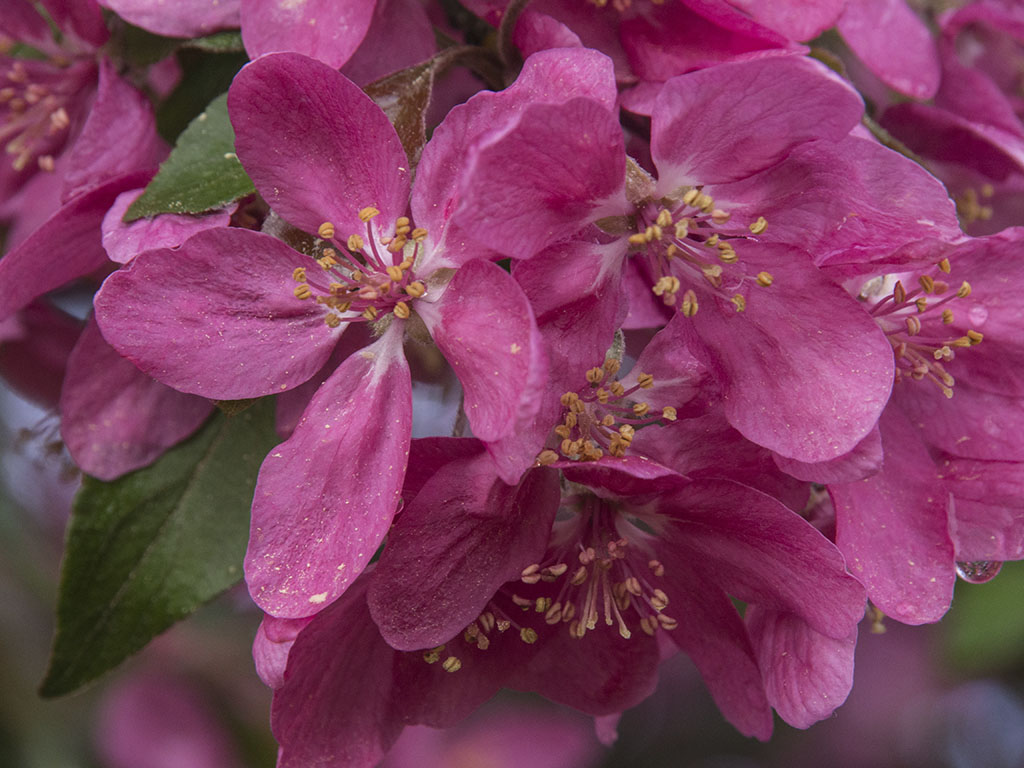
point(737, 356)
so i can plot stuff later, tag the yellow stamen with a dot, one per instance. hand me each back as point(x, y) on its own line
point(326, 230)
point(402, 310)
point(764, 279)
point(739, 302)
point(759, 226)
point(302, 291)
point(355, 243)
point(368, 213)
point(415, 289)
point(299, 275)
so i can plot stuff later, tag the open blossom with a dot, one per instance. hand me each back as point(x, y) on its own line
point(950, 436)
point(740, 300)
point(636, 555)
point(326, 497)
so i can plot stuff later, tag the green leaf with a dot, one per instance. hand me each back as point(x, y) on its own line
point(202, 172)
point(149, 548)
point(228, 41)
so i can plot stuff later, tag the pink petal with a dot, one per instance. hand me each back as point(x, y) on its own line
point(988, 515)
point(549, 77)
point(465, 534)
point(806, 674)
point(682, 36)
point(400, 36)
point(34, 348)
point(325, 497)
point(713, 636)
point(863, 460)
point(115, 418)
point(731, 121)
point(119, 136)
point(797, 20)
point(559, 168)
point(271, 646)
point(191, 18)
point(29, 270)
point(484, 327)
point(811, 401)
point(328, 30)
point(761, 552)
point(123, 242)
point(890, 39)
point(217, 317)
point(850, 204)
point(892, 528)
point(316, 147)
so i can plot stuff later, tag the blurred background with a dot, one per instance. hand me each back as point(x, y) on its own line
point(951, 694)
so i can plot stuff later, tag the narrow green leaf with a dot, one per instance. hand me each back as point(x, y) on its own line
point(149, 548)
point(202, 172)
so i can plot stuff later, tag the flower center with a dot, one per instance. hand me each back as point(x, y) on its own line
point(690, 248)
point(594, 574)
point(601, 576)
point(602, 417)
point(364, 278)
point(915, 323)
point(33, 117)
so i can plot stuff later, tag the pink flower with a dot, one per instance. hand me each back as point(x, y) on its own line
point(709, 128)
point(326, 497)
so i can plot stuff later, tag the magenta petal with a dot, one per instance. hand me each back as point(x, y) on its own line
point(602, 674)
point(806, 674)
point(849, 204)
point(400, 36)
point(556, 170)
point(348, 694)
point(810, 400)
point(316, 147)
point(270, 647)
point(484, 326)
point(30, 270)
point(190, 18)
point(894, 44)
point(892, 528)
point(799, 20)
point(713, 636)
point(328, 30)
point(325, 497)
point(864, 459)
point(465, 534)
point(761, 552)
point(340, 671)
point(123, 242)
point(118, 137)
point(677, 37)
point(988, 512)
point(115, 418)
point(35, 345)
point(217, 317)
point(549, 77)
point(728, 122)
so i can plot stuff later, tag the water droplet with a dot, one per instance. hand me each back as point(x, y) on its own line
point(978, 571)
point(977, 315)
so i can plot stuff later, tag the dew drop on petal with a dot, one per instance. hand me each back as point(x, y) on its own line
point(977, 315)
point(978, 571)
